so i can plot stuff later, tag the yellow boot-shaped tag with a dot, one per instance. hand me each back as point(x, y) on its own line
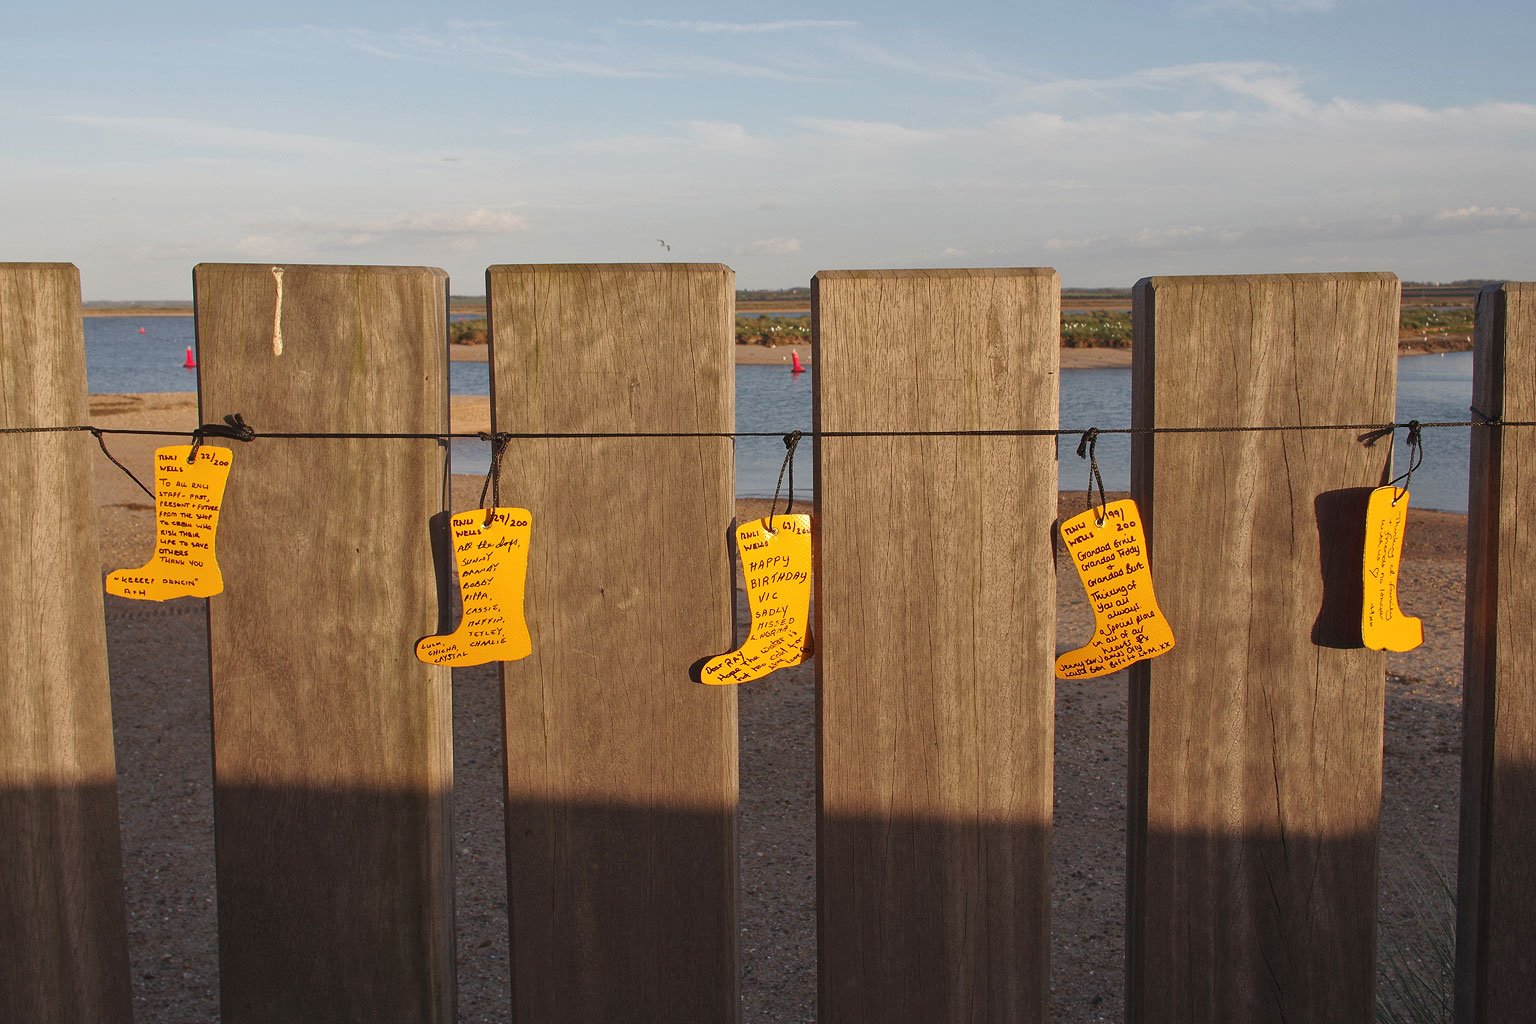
point(492, 559)
point(1383, 626)
point(1111, 558)
point(187, 497)
point(776, 559)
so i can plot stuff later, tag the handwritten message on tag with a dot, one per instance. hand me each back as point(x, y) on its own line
point(493, 569)
point(1383, 626)
point(776, 560)
point(1112, 561)
point(187, 499)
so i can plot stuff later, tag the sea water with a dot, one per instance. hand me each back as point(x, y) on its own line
point(775, 400)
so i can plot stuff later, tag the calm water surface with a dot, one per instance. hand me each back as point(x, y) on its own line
point(771, 398)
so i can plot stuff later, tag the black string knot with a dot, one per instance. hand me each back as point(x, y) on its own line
point(499, 442)
point(234, 428)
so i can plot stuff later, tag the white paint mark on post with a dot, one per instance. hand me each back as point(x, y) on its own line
point(277, 313)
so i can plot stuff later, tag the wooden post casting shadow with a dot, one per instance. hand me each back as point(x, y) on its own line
point(621, 771)
point(1495, 928)
point(63, 925)
point(332, 743)
point(1255, 753)
point(935, 625)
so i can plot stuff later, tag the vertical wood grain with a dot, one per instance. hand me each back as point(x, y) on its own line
point(331, 741)
point(63, 927)
point(1496, 930)
point(1255, 779)
point(621, 771)
point(935, 632)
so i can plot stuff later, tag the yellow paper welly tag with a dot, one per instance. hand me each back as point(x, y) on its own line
point(1112, 560)
point(187, 499)
point(492, 559)
point(1383, 626)
point(776, 560)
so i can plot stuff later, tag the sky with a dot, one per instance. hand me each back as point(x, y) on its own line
point(1110, 140)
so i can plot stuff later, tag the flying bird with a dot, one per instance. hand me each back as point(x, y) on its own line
point(664, 244)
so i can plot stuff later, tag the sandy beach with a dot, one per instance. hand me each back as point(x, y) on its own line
point(159, 671)
point(758, 355)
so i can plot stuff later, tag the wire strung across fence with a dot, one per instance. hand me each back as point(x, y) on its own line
point(235, 428)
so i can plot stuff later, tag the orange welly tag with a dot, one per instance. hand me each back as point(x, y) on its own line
point(1111, 558)
point(776, 560)
point(187, 499)
point(1383, 626)
point(492, 559)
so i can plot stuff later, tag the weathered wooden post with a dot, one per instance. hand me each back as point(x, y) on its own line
point(1255, 745)
point(621, 772)
point(63, 927)
point(1496, 901)
point(332, 743)
point(935, 612)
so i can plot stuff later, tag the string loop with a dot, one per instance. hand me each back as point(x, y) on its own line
point(103, 443)
point(1087, 448)
point(791, 440)
point(499, 442)
point(1415, 459)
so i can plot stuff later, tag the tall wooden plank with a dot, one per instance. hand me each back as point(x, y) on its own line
point(935, 628)
point(332, 743)
point(621, 772)
point(1496, 929)
point(1255, 747)
point(64, 927)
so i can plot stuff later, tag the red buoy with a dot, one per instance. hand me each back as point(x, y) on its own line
point(141, 330)
point(190, 364)
point(796, 368)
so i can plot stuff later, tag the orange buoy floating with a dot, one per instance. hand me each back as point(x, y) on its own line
point(796, 368)
point(190, 364)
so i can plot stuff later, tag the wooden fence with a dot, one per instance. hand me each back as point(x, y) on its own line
point(1256, 743)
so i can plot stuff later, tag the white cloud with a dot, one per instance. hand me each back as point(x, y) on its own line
point(1466, 221)
point(721, 135)
point(1276, 86)
point(197, 134)
point(487, 46)
point(772, 247)
point(481, 221)
point(867, 131)
point(495, 48)
point(929, 63)
point(788, 25)
point(1253, 8)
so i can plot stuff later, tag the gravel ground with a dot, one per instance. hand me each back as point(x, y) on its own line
point(160, 693)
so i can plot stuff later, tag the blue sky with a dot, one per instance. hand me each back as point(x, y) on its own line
point(1109, 140)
